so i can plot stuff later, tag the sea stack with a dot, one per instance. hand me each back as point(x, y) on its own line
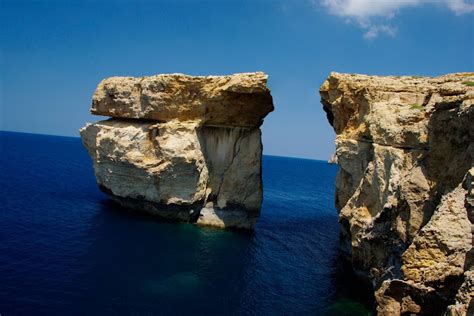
point(182, 147)
point(404, 190)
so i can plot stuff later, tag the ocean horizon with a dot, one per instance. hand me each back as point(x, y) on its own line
point(79, 137)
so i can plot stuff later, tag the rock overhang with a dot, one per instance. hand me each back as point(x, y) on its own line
point(235, 100)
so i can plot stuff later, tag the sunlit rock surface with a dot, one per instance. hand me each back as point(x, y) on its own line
point(182, 147)
point(238, 100)
point(404, 189)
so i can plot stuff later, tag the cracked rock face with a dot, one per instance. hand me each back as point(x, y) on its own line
point(404, 190)
point(182, 147)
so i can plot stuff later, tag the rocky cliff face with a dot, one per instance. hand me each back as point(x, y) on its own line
point(404, 190)
point(182, 147)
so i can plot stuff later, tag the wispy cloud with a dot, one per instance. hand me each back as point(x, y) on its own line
point(377, 17)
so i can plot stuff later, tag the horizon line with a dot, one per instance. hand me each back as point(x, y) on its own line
point(78, 137)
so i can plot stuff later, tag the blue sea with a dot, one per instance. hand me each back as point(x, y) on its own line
point(65, 249)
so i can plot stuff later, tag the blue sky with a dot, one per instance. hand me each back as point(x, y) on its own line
point(53, 54)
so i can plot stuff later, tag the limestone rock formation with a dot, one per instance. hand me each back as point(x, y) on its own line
point(240, 100)
point(404, 190)
point(182, 147)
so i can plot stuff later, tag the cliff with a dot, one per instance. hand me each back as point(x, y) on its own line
point(404, 190)
point(182, 147)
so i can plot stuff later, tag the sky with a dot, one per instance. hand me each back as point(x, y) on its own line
point(54, 53)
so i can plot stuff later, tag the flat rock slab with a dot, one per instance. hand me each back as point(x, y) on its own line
point(235, 100)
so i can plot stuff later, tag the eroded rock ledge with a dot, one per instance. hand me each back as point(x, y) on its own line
point(404, 190)
point(182, 147)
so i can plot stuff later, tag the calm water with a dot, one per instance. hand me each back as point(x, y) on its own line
point(66, 249)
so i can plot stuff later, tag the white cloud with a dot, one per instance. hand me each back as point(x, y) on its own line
point(460, 6)
point(372, 31)
point(375, 17)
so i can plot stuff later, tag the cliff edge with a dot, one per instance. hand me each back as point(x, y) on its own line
point(182, 147)
point(404, 190)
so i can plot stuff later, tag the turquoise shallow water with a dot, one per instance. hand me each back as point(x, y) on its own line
point(66, 249)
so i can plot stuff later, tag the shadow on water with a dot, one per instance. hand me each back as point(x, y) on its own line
point(353, 295)
point(140, 264)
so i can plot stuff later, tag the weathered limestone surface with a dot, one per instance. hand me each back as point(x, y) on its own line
point(404, 191)
point(238, 100)
point(182, 147)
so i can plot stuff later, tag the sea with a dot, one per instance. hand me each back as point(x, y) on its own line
point(66, 249)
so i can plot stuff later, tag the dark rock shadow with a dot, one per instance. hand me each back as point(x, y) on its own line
point(353, 294)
